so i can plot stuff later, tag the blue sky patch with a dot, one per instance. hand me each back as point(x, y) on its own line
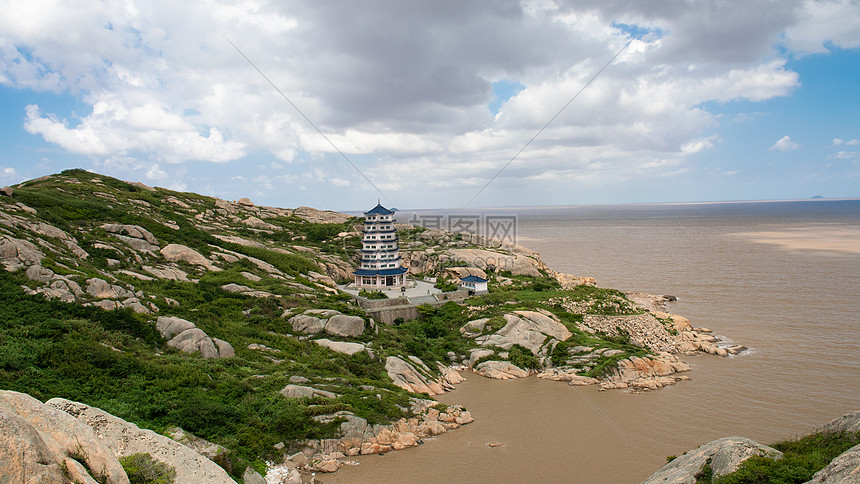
point(503, 90)
point(639, 32)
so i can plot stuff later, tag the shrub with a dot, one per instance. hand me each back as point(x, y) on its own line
point(372, 294)
point(559, 353)
point(800, 460)
point(445, 286)
point(523, 358)
point(143, 469)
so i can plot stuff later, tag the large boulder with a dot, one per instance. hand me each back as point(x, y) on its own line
point(225, 349)
point(304, 323)
point(56, 438)
point(300, 391)
point(723, 455)
point(461, 272)
point(500, 370)
point(178, 252)
point(170, 326)
point(413, 376)
point(125, 438)
point(203, 447)
point(186, 337)
point(477, 354)
point(315, 321)
point(520, 264)
point(167, 272)
point(257, 223)
point(225, 206)
point(194, 340)
point(58, 287)
point(40, 274)
point(343, 325)
point(24, 456)
point(101, 289)
point(844, 469)
point(850, 422)
point(342, 346)
point(250, 476)
point(645, 373)
point(323, 216)
point(530, 329)
point(569, 281)
point(16, 253)
point(133, 231)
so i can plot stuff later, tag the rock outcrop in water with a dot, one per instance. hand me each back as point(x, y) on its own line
point(358, 437)
point(541, 332)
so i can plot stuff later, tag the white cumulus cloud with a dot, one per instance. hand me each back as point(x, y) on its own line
point(404, 86)
point(784, 144)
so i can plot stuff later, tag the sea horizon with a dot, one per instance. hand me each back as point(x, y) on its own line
point(622, 204)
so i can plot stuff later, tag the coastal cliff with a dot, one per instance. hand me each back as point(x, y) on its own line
point(223, 320)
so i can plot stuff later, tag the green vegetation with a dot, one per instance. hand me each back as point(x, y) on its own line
point(289, 263)
point(143, 469)
point(801, 459)
point(706, 475)
point(372, 294)
point(523, 358)
point(445, 286)
point(118, 362)
point(431, 336)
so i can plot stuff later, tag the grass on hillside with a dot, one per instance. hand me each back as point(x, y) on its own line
point(117, 361)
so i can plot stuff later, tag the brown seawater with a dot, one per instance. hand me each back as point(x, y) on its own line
point(782, 278)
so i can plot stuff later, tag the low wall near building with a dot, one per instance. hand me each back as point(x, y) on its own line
point(388, 315)
point(371, 304)
point(458, 295)
point(387, 310)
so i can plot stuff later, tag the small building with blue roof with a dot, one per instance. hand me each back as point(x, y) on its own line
point(474, 284)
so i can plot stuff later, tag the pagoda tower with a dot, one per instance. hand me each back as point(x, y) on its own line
point(380, 255)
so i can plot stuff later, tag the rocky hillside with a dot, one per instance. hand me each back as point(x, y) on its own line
point(222, 322)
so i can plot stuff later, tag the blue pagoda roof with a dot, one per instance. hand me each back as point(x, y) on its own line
point(380, 272)
point(473, 279)
point(379, 210)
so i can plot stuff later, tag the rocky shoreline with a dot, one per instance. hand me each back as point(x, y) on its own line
point(360, 438)
point(667, 335)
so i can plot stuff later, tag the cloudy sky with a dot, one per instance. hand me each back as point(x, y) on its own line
point(711, 100)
